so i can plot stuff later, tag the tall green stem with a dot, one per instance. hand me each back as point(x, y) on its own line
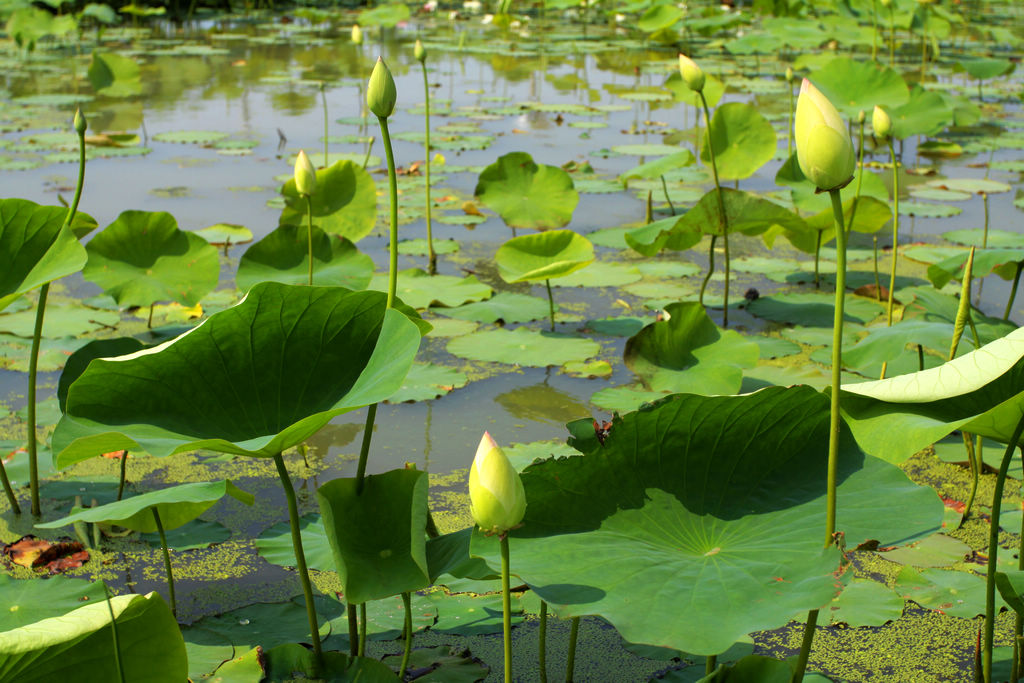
point(323, 100)
point(860, 177)
point(874, 30)
point(11, 498)
point(570, 660)
point(924, 44)
point(167, 559)
point(123, 474)
point(362, 629)
point(721, 208)
point(407, 634)
point(309, 214)
point(895, 230)
point(892, 36)
point(551, 304)
point(300, 561)
point(711, 269)
point(506, 605)
point(837, 362)
point(432, 263)
point(113, 632)
point(993, 552)
point(789, 126)
point(542, 643)
point(664, 188)
point(710, 662)
point(353, 629)
point(1013, 291)
point(805, 646)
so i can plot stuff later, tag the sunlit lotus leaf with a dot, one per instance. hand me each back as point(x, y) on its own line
point(419, 289)
point(854, 86)
point(1002, 262)
point(660, 166)
point(509, 307)
point(523, 347)
point(709, 520)
point(926, 113)
point(812, 309)
point(713, 89)
point(34, 249)
point(979, 392)
point(958, 594)
point(809, 201)
point(28, 24)
point(226, 234)
point(275, 544)
point(884, 343)
point(193, 137)
point(206, 651)
point(283, 256)
point(927, 303)
point(384, 15)
point(687, 352)
point(80, 643)
point(742, 140)
point(984, 68)
point(601, 274)
point(659, 17)
point(142, 257)
point(378, 535)
point(865, 603)
point(526, 194)
point(61, 320)
point(427, 381)
point(971, 185)
point(290, 357)
point(114, 75)
point(542, 256)
point(28, 601)
point(267, 624)
point(344, 204)
point(80, 359)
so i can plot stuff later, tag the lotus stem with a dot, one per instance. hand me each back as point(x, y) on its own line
point(167, 559)
point(892, 36)
point(407, 634)
point(874, 30)
point(924, 44)
point(817, 256)
point(300, 562)
point(97, 535)
point(123, 475)
point(664, 187)
point(789, 125)
point(1018, 619)
point(993, 552)
point(506, 607)
point(963, 314)
point(837, 352)
point(369, 148)
point(33, 364)
point(149, 319)
point(570, 660)
point(364, 448)
point(323, 100)
point(711, 268)
point(874, 249)
point(362, 629)
point(860, 177)
point(984, 236)
point(648, 211)
point(975, 465)
point(710, 662)
point(11, 498)
point(805, 646)
point(721, 208)
point(309, 234)
point(542, 643)
point(551, 303)
point(432, 256)
point(353, 630)
point(113, 633)
point(895, 230)
point(1013, 291)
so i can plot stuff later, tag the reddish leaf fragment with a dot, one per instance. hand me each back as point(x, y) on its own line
point(37, 553)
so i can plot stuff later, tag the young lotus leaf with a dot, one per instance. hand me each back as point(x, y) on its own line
point(114, 75)
point(658, 18)
point(226, 234)
point(253, 379)
point(713, 89)
point(525, 194)
point(660, 166)
point(1011, 588)
point(176, 506)
point(283, 256)
point(984, 68)
point(958, 594)
point(419, 289)
point(926, 113)
point(523, 347)
point(542, 256)
point(510, 307)
point(79, 645)
point(687, 352)
point(142, 257)
point(30, 601)
point(378, 535)
point(34, 249)
point(699, 519)
point(979, 392)
point(344, 204)
point(1002, 262)
point(742, 140)
point(853, 86)
point(275, 544)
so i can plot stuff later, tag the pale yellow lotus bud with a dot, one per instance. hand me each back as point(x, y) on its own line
point(357, 34)
point(692, 74)
point(305, 175)
point(789, 74)
point(861, 116)
point(380, 91)
point(881, 123)
point(496, 495)
point(80, 123)
point(419, 52)
point(823, 145)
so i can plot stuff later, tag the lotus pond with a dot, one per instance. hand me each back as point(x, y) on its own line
point(615, 260)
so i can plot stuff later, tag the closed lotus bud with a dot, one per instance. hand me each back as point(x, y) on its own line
point(305, 174)
point(496, 495)
point(692, 74)
point(861, 116)
point(419, 52)
point(881, 122)
point(80, 123)
point(789, 74)
point(823, 146)
point(357, 34)
point(380, 91)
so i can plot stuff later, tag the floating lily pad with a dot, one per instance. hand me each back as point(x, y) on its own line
point(198, 533)
point(975, 237)
point(622, 326)
point(508, 307)
point(427, 381)
point(928, 209)
point(420, 290)
point(542, 256)
point(812, 310)
point(443, 664)
point(206, 651)
point(59, 321)
point(266, 624)
point(600, 274)
point(523, 347)
point(938, 550)
point(195, 137)
point(275, 544)
point(467, 614)
point(226, 234)
point(418, 247)
point(958, 594)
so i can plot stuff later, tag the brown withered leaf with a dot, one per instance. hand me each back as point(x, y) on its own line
point(40, 554)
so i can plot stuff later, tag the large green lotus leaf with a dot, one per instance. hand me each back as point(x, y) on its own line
point(929, 304)
point(1011, 587)
point(114, 75)
point(267, 624)
point(378, 535)
point(957, 594)
point(283, 256)
point(700, 519)
point(292, 661)
point(176, 505)
point(854, 86)
point(658, 17)
point(865, 603)
point(746, 213)
point(142, 257)
point(812, 309)
point(1002, 262)
point(687, 352)
point(344, 204)
point(523, 347)
point(427, 381)
point(275, 544)
point(979, 392)
point(419, 289)
point(984, 68)
point(448, 555)
point(31, 600)
point(80, 359)
point(253, 379)
point(871, 215)
point(79, 645)
point(742, 140)
point(525, 194)
point(543, 255)
point(445, 663)
point(884, 343)
point(926, 113)
point(660, 166)
point(510, 307)
point(384, 15)
point(34, 249)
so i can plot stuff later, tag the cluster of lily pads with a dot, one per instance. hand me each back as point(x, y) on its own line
point(731, 505)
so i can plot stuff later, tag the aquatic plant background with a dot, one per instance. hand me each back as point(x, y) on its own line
point(206, 127)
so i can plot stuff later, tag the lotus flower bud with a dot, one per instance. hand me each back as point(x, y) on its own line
point(80, 123)
point(496, 494)
point(861, 116)
point(419, 52)
point(380, 91)
point(305, 174)
point(823, 146)
point(881, 122)
point(357, 34)
point(789, 74)
point(692, 74)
